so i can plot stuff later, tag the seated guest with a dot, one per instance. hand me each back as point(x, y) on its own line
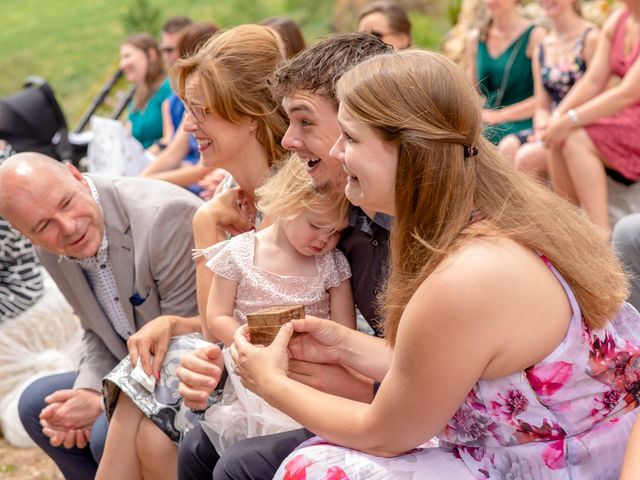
point(170, 36)
point(531, 361)
point(105, 243)
point(592, 130)
point(306, 86)
point(141, 63)
point(559, 61)
point(179, 162)
point(20, 277)
point(290, 34)
point(626, 239)
point(389, 21)
point(499, 62)
point(239, 127)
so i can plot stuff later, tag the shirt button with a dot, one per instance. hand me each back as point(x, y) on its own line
point(374, 242)
point(116, 299)
point(103, 266)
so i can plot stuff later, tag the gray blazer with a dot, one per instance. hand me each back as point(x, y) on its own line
point(148, 224)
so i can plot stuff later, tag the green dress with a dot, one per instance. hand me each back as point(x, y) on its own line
point(146, 122)
point(505, 80)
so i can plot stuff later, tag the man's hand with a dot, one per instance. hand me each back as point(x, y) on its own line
point(71, 409)
point(153, 338)
point(199, 373)
point(69, 416)
point(66, 438)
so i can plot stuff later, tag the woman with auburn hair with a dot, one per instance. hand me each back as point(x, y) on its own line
point(238, 127)
point(529, 369)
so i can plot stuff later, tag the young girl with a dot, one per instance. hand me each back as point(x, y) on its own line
point(293, 261)
point(561, 59)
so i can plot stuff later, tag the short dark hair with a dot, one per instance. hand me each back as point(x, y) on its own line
point(194, 36)
point(175, 24)
point(396, 15)
point(290, 33)
point(318, 68)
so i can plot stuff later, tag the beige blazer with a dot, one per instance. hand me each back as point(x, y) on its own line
point(148, 224)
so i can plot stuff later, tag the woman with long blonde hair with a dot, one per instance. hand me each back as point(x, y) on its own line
point(507, 335)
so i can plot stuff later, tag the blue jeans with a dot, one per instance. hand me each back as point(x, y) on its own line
point(74, 463)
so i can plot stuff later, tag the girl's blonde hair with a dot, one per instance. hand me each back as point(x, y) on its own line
point(423, 103)
point(233, 68)
point(289, 192)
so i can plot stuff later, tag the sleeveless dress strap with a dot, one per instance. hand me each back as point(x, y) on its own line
point(577, 48)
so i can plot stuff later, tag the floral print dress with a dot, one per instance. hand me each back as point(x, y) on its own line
point(568, 416)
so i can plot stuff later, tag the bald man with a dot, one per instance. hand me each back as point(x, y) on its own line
point(119, 250)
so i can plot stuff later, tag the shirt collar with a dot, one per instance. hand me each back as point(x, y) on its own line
point(101, 256)
point(358, 219)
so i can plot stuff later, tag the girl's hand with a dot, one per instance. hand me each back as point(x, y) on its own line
point(320, 341)
point(260, 366)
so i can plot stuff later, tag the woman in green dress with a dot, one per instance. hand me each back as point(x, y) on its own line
point(499, 63)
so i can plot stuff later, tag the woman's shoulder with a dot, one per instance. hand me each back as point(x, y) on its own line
point(488, 263)
point(612, 21)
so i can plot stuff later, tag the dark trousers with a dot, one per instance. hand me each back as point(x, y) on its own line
point(251, 459)
point(74, 463)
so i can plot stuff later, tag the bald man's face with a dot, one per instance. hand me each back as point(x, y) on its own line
point(55, 211)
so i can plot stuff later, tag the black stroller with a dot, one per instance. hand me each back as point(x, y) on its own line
point(32, 120)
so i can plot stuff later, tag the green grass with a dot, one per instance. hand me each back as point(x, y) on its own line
point(74, 43)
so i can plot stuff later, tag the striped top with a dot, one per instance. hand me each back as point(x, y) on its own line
point(20, 276)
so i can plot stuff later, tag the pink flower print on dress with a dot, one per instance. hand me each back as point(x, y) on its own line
point(468, 426)
point(510, 406)
point(548, 378)
point(616, 368)
point(553, 455)
point(336, 473)
point(510, 467)
point(605, 404)
point(296, 468)
point(530, 433)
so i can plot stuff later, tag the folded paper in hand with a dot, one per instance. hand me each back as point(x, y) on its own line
point(139, 375)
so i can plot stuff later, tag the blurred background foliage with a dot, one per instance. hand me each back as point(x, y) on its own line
point(74, 43)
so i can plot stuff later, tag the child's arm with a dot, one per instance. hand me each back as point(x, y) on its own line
point(342, 307)
point(220, 305)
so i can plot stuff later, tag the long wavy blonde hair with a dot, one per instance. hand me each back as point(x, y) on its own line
point(424, 103)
